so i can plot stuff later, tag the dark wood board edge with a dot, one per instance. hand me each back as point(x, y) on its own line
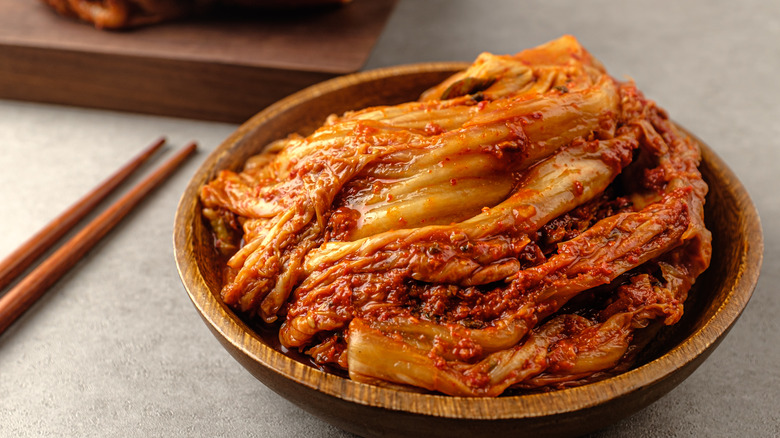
point(149, 85)
point(336, 40)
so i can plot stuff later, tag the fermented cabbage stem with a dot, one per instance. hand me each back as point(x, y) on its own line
point(528, 223)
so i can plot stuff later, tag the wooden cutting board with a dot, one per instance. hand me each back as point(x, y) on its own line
point(224, 68)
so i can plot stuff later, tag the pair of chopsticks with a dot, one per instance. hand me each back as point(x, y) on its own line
point(33, 286)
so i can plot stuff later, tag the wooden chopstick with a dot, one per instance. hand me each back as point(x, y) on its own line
point(29, 251)
point(17, 300)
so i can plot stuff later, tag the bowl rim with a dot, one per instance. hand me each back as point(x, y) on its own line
point(562, 401)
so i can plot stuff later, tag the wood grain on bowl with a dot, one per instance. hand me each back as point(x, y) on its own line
point(715, 303)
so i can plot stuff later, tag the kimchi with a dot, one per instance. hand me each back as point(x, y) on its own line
point(123, 14)
point(527, 224)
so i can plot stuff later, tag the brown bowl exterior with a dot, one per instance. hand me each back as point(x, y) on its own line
point(715, 303)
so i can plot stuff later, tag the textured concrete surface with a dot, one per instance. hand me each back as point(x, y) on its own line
point(116, 349)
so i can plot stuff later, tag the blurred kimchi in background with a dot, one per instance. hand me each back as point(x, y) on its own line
point(118, 14)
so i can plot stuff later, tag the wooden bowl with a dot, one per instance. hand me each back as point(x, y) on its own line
point(715, 303)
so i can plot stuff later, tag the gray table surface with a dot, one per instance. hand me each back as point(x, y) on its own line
point(116, 348)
